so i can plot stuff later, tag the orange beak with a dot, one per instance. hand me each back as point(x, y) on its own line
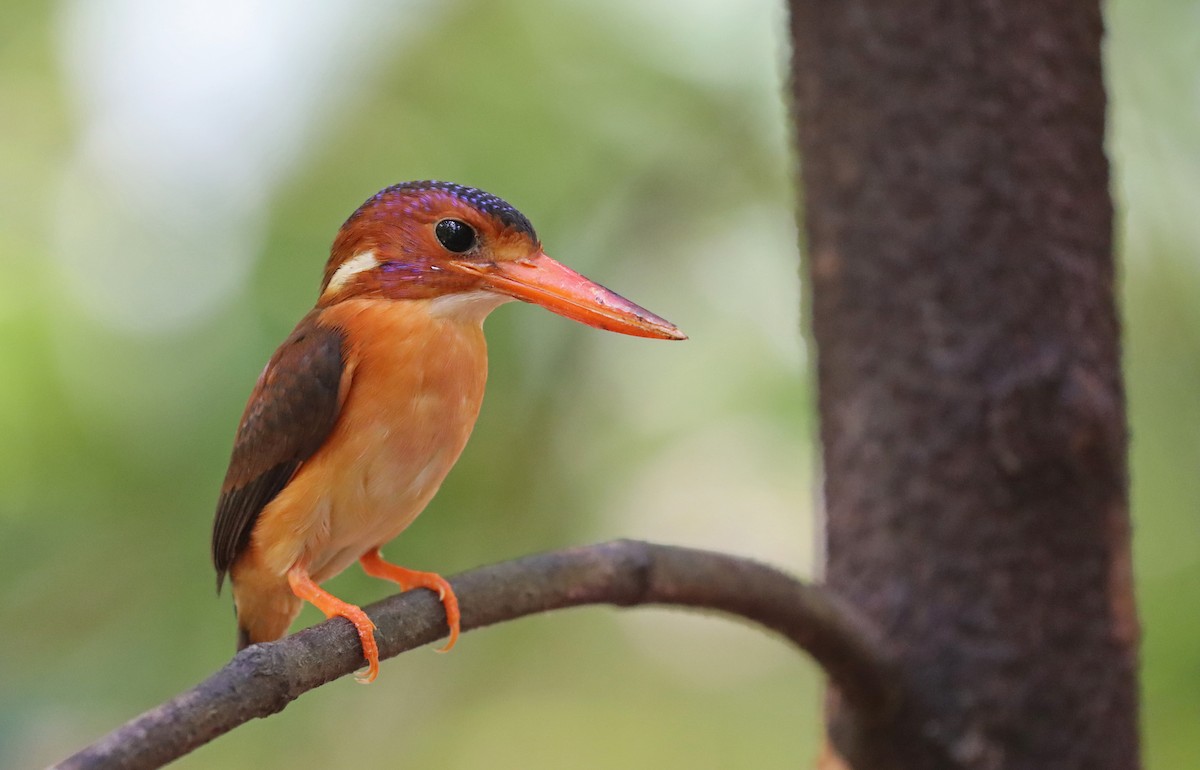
point(556, 287)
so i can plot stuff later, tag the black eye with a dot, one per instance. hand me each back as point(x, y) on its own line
point(455, 234)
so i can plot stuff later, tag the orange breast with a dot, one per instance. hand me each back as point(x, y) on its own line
point(416, 381)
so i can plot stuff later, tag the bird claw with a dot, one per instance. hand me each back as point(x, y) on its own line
point(374, 565)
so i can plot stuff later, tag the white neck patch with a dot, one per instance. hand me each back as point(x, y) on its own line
point(359, 263)
point(467, 306)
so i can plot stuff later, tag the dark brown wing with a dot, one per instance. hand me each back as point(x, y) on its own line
point(290, 414)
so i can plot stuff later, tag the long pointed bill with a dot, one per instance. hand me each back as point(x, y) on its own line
point(558, 288)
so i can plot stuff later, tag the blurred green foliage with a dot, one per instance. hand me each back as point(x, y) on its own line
point(161, 229)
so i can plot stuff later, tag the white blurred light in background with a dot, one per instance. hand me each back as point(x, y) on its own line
point(715, 47)
point(190, 115)
point(739, 486)
point(727, 473)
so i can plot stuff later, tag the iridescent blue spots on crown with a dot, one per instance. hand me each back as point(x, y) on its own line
point(472, 196)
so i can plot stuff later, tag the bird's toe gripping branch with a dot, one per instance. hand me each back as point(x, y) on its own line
point(374, 565)
point(303, 586)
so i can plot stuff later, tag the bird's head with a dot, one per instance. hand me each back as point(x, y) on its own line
point(469, 251)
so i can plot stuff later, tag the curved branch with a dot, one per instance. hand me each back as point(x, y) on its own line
point(262, 679)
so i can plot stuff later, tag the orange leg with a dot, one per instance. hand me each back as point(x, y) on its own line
point(374, 565)
point(304, 587)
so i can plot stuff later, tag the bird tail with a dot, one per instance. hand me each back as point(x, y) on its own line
point(265, 611)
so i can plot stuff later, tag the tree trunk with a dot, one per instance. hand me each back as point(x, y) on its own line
point(959, 233)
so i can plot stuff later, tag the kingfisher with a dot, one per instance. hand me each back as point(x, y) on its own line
point(361, 412)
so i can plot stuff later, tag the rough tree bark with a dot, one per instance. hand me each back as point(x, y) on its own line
point(960, 255)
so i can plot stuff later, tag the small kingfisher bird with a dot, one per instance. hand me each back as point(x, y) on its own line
point(361, 412)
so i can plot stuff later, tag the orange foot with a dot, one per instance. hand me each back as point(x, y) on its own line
point(304, 587)
point(374, 565)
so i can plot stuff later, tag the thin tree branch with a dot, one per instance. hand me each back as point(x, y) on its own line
point(262, 679)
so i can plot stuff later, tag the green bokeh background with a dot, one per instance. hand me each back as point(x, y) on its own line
point(170, 178)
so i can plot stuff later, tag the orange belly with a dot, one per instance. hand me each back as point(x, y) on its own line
point(416, 384)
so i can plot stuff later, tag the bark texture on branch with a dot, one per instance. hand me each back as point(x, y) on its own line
point(960, 255)
point(262, 679)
